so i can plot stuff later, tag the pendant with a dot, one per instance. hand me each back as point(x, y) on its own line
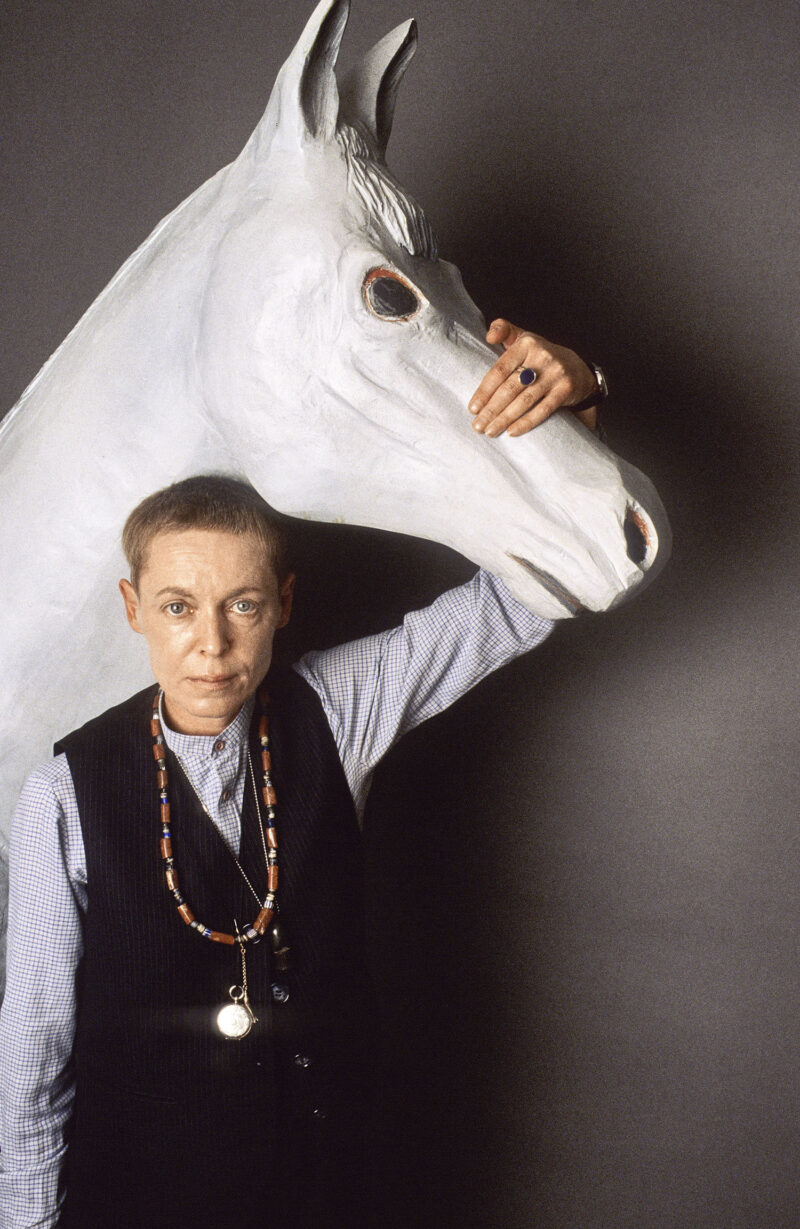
point(236, 1018)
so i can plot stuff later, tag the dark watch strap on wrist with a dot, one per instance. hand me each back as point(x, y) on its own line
point(599, 394)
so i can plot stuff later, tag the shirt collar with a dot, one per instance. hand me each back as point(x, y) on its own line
point(208, 746)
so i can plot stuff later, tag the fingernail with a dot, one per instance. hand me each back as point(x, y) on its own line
point(493, 430)
point(477, 426)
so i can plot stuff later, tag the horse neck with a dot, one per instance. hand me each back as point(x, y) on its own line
point(118, 410)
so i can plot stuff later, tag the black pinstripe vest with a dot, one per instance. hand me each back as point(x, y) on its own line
point(172, 1122)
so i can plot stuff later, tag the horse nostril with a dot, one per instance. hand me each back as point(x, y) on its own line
point(635, 537)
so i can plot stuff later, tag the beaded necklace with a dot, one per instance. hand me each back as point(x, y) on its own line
point(236, 1018)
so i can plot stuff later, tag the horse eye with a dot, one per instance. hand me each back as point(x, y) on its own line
point(389, 297)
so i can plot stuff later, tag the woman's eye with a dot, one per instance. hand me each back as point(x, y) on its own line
point(389, 296)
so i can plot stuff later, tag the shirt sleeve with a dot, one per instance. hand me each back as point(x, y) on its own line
point(47, 894)
point(375, 689)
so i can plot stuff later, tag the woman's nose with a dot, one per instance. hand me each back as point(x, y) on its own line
point(213, 634)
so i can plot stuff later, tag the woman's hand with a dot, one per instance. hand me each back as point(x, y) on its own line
point(502, 402)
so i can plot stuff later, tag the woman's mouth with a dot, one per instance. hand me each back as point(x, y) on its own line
point(213, 682)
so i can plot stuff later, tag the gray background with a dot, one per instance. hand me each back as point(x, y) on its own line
point(583, 877)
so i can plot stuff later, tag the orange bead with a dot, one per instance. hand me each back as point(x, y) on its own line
point(272, 837)
point(155, 727)
point(165, 813)
point(186, 914)
point(161, 777)
point(166, 847)
point(263, 920)
point(172, 880)
point(270, 797)
point(272, 879)
point(217, 936)
point(159, 751)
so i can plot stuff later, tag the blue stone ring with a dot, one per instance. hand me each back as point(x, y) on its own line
point(527, 375)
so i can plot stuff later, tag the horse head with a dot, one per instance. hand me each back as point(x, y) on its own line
point(339, 351)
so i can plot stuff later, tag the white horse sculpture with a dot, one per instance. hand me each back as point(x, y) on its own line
point(291, 322)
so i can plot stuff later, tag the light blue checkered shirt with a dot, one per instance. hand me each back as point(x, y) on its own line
point(372, 691)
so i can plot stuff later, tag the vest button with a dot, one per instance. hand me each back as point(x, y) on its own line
point(280, 992)
point(219, 745)
point(226, 795)
point(302, 1060)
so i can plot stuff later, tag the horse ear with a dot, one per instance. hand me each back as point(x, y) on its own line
point(369, 90)
point(305, 99)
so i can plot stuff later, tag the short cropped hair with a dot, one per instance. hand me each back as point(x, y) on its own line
point(206, 501)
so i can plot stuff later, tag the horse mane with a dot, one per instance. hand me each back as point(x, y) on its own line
point(383, 198)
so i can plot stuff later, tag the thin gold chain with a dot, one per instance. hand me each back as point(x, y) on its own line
point(240, 941)
point(258, 809)
point(242, 871)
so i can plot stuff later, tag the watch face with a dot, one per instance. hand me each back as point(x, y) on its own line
point(234, 1021)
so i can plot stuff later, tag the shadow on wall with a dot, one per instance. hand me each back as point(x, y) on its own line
point(516, 846)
